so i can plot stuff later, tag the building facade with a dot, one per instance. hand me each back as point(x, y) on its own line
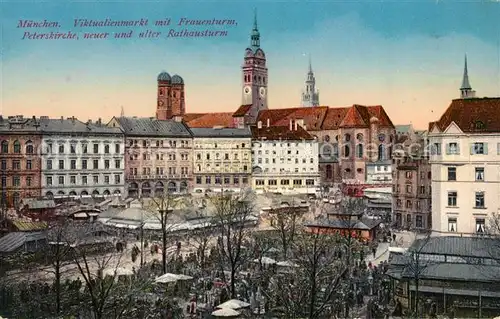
point(310, 95)
point(285, 159)
point(411, 189)
point(222, 159)
point(158, 156)
point(465, 160)
point(81, 159)
point(20, 140)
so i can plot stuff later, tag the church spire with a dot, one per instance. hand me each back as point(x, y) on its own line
point(255, 36)
point(466, 89)
point(310, 96)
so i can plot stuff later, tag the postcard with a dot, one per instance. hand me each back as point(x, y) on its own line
point(250, 159)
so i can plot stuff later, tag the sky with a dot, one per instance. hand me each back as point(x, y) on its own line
point(405, 55)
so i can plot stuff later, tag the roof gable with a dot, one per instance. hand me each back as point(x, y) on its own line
point(453, 129)
point(353, 117)
point(312, 116)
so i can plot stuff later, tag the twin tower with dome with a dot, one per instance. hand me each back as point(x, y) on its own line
point(254, 90)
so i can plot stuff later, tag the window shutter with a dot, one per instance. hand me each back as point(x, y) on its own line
point(485, 148)
point(448, 149)
point(458, 148)
point(472, 149)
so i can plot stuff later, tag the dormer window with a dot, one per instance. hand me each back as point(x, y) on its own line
point(479, 125)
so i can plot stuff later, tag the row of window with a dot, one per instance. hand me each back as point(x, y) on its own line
point(215, 145)
point(159, 157)
point(419, 221)
point(274, 182)
point(359, 137)
point(410, 204)
point(16, 165)
point(61, 149)
point(453, 225)
point(61, 180)
point(282, 160)
point(409, 189)
point(159, 171)
point(478, 196)
point(218, 180)
point(409, 174)
point(226, 156)
point(84, 164)
point(453, 148)
point(478, 174)
point(158, 143)
point(289, 170)
point(29, 148)
point(16, 181)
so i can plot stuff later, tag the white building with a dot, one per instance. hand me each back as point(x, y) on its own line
point(379, 172)
point(285, 159)
point(465, 164)
point(81, 159)
point(221, 159)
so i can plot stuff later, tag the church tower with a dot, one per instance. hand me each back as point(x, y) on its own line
point(254, 74)
point(170, 96)
point(310, 96)
point(466, 91)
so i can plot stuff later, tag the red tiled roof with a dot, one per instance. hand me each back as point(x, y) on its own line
point(327, 118)
point(209, 120)
point(472, 115)
point(313, 116)
point(191, 116)
point(334, 117)
point(242, 110)
point(360, 116)
point(280, 133)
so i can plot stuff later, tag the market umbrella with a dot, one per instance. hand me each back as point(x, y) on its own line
point(225, 312)
point(265, 261)
point(234, 304)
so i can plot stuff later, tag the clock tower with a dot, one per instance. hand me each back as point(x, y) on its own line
point(254, 76)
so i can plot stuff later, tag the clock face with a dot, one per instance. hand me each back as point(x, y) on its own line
point(262, 92)
point(246, 90)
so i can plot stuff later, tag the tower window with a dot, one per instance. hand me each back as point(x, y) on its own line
point(255, 78)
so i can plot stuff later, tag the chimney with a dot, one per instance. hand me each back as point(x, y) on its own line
point(62, 118)
point(99, 121)
point(259, 124)
point(291, 125)
point(33, 118)
point(268, 123)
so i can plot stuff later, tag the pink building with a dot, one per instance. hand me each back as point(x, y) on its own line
point(158, 156)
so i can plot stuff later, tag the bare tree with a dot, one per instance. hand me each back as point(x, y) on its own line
point(232, 215)
point(162, 207)
point(201, 239)
point(309, 286)
point(59, 253)
point(286, 221)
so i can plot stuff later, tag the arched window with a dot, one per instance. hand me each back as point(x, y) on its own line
point(381, 152)
point(336, 150)
point(29, 147)
point(17, 147)
point(347, 137)
point(359, 151)
point(326, 138)
point(359, 137)
point(347, 151)
point(5, 147)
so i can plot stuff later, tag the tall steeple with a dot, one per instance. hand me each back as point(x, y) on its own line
point(255, 36)
point(466, 89)
point(254, 76)
point(310, 95)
